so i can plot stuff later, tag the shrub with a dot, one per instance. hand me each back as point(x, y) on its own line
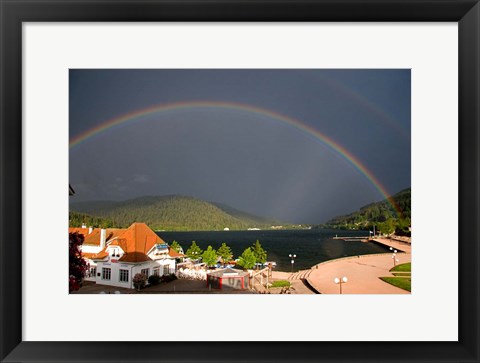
point(139, 280)
point(168, 278)
point(154, 280)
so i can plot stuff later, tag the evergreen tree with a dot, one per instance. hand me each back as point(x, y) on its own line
point(194, 252)
point(225, 253)
point(209, 256)
point(169, 213)
point(259, 253)
point(77, 219)
point(247, 259)
point(176, 247)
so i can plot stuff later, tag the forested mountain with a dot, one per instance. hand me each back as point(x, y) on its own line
point(77, 219)
point(244, 216)
point(173, 212)
point(381, 214)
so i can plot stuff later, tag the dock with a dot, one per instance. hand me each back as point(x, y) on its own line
point(396, 244)
point(401, 246)
point(353, 238)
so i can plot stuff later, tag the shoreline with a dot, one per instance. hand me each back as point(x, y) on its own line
point(363, 272)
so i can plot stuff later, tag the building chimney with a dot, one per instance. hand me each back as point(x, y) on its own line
point(90, 230)
point(103, 237)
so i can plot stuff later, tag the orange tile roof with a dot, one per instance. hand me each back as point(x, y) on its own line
point(136, 241)
point(100, 256)
point(88, 254)
point(94, 237)
point(134, 257)
point(173, 253)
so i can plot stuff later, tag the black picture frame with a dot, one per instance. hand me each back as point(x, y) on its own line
point(14, 12)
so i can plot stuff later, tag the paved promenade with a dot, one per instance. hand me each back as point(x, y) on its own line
point(363, 274)
point(398, 245)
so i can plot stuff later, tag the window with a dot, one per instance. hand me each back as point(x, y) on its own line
point(123, 275)
point(156, 271)
point(93, 271)
point(106, 273)
point(166, 269)
point(145, 271)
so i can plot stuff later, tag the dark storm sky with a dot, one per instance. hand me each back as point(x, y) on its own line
point(249, 161)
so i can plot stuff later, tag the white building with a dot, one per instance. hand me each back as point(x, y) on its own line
point(127, 252)
point(95, 240)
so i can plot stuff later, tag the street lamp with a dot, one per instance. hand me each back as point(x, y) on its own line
point(292, 257)
point(341, 281)
point(194, 253)
point(394, 257)
point(370, 234)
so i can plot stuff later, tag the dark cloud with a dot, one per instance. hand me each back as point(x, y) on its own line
point(247, 160)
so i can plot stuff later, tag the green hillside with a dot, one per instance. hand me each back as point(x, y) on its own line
point(381, 214)
point(77, 219)
point(171, 213)
point(248, 218)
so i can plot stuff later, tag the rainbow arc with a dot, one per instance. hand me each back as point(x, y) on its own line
point(138, 115)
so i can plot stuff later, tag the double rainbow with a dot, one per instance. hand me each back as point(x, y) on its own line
point(297, 124)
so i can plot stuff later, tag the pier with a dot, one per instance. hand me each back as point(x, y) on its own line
point(399, 245)
point(353, 238)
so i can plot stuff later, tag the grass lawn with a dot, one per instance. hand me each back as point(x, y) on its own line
point(280, 283)
point(400, 274)
point(401, 282)
point(404, 267)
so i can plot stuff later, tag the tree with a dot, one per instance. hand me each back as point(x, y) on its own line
point(209, 256)
point(403, 227)
point(77, 265)
point(259, 253)
point(247, 259)
point(194, 252)
point(386, 227)
point(176, 247)
point(225, 253)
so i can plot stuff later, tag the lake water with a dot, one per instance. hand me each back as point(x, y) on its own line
point(311, 246)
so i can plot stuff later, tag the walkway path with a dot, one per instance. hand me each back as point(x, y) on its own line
point(398, 245)
point(363, 274)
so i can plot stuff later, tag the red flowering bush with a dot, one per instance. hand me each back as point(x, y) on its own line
point(139, 280)
point(77, 267)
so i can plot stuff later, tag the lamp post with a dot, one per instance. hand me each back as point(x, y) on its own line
point(292, 257)
point(341, 281)
point(394, 257)
point(370, 234)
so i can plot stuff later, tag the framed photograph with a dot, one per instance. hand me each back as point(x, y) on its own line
point(251, 181)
